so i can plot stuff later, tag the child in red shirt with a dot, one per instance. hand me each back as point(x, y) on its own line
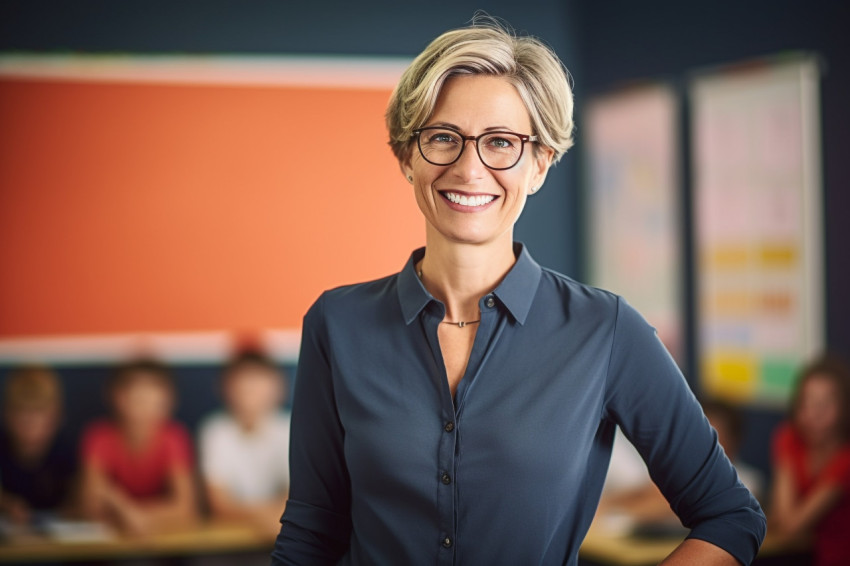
point(138, 467)
point(811, 491)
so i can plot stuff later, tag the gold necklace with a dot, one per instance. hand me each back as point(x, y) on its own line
point(460, 324)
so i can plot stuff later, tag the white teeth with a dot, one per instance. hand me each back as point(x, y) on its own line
point(463, 200)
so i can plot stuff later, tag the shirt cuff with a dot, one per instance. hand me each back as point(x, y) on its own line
point(318, 520)
point(740, 534)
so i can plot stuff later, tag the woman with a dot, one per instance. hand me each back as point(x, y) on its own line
point(462, 411)
point(811, 488)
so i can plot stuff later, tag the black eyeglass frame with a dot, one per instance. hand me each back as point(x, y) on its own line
point(524, 138)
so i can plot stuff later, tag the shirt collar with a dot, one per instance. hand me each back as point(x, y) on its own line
point(516, 291)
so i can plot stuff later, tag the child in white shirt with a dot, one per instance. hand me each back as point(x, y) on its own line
point(245, 451)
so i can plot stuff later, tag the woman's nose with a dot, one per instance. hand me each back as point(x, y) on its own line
point(469, 164)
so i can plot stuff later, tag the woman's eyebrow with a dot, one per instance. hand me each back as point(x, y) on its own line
point(454, 127)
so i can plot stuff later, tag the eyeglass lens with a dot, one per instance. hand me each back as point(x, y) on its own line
point(498, 150)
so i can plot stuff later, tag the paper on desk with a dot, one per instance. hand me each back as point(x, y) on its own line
point(77, 531)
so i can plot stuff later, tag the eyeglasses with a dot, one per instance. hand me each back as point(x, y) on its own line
point(497, 150)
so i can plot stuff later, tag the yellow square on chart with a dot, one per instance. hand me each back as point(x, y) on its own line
point(731, 376)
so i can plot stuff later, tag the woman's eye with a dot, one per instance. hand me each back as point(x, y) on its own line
point(442, 138)
point(499, 143)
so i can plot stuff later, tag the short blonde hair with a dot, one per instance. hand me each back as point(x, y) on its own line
point(32, 387)
point(485, 48)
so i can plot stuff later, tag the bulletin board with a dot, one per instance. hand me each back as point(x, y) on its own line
point(192, 195)
point(757, 207)
point(634, 203)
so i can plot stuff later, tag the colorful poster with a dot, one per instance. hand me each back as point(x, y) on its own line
point(634, 204)
point(757, 210)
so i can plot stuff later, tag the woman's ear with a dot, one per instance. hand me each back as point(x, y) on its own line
point(406, 167)
point(542, 161)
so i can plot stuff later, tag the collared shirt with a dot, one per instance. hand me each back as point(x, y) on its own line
point(388, 468)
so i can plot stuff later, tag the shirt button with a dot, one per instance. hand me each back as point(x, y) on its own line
point(490, 302)
point(446, 479)
point(450, 426)
point(447, 542)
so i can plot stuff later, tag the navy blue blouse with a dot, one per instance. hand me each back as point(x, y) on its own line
point(388, 468)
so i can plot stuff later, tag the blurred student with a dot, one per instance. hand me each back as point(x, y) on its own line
point(37, 467)
point(811, 453)
point(245, 451)
point(138, 467)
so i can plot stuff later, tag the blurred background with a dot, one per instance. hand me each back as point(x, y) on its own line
point(178, 179)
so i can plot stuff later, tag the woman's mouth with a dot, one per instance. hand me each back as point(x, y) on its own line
point(469, 201)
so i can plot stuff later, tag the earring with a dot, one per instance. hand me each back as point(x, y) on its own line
point(410, 178)
point(534, 190)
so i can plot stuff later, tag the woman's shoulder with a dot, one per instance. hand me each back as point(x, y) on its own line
point(580, 296)
point(355, 300)
point(588, 292)
point(364, 289)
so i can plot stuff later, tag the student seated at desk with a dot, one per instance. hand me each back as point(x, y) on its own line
point(37, 467)
point(245, 451)
point(138, 467)
point(811, 453)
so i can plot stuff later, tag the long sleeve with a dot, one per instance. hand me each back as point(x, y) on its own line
point(650, 400)
point(315, 528)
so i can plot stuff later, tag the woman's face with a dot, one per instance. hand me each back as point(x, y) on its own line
point(473, 105)
point(819, 411)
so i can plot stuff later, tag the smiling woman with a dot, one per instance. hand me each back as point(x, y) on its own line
point(463, 410)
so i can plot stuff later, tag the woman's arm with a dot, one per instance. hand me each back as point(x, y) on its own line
point(695, 552)
point(316, 526)
point(648, 397)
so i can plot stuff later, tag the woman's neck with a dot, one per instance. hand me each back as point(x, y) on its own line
point(458, 275)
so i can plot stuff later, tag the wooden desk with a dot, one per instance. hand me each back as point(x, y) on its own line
point(206, 538)
point(617, 549)
point(600, 546)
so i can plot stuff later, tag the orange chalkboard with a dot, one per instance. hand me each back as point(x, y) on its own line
point(188, 207)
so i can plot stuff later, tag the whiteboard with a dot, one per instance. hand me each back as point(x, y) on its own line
point(634, 204)
point(757, 209)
